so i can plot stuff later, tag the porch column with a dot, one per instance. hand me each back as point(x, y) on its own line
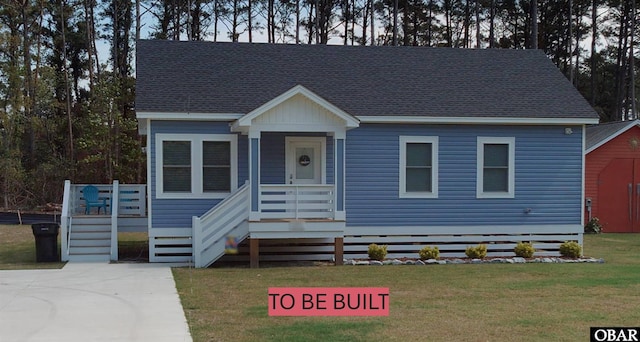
point(339, 143)
point(254, 252)
point(254, 175)
point(338, 250)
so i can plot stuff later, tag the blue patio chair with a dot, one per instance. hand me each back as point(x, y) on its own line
point(91, 197)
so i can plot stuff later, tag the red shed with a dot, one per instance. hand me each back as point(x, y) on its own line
point(612, 176)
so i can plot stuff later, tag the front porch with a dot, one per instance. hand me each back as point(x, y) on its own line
point(296, 178)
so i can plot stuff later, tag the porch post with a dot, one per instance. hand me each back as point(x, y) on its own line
point(115, 204)
point(65, 219)
point(254, 252)
point(254, 175)
point(339, 143)
point(338, 247)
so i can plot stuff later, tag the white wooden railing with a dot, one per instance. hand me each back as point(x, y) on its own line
point(131, 199)
point(210, 231)
point(296, 202)
point(65, 221)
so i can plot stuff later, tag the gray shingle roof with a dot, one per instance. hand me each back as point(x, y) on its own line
point(597, 134)
point(207, 77)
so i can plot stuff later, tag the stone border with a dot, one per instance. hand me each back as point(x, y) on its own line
point(515, 260)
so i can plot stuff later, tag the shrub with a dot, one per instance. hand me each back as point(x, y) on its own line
point(429, 253)
point(570, 249)
point(377, 252)
point(593, 226)
point(477, 252)
point(524, 250)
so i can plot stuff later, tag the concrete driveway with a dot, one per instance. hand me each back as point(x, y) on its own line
point(91, 302)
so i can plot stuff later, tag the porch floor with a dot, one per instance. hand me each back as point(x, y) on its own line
point(296, 220)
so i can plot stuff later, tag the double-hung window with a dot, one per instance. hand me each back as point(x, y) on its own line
point(176, 166)
point(496, 167)
point(418, 167)
point(196, 165)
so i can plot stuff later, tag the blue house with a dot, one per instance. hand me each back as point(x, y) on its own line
point(314, 151)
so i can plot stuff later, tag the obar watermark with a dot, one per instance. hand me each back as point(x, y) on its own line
point(610, 334)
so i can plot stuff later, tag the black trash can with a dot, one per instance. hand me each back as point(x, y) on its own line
point(46, 235)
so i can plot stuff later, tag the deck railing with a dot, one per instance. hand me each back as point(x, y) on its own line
point(296, 201)
point(131, 199)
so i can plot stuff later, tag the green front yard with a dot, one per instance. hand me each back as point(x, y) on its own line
point(484, 302)
point(471, 302)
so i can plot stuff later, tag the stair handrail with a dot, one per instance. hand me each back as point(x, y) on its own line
point(70, 225)
point(234, 195)
point(65, 221)
point(203, 237)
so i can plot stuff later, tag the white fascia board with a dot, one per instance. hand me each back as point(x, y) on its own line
point(189, 116)
point(475, 120)
point(614, 135)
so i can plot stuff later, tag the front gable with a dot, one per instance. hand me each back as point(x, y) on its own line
point(297, 110)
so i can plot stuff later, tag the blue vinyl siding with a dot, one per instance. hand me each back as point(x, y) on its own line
point(175, 213)
point(272, 158)
point(548, 169)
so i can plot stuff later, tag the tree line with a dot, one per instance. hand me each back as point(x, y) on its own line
point(67, 104)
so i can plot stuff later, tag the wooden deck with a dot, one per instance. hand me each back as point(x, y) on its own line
point(94, 236)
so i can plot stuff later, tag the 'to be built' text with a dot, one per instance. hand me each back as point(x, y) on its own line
point(328, 301)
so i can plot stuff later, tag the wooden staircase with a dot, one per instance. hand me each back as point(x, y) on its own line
point(210, 231)
point(90, 239)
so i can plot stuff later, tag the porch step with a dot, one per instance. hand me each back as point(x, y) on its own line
point(91, 220)
point(90, 239)
point(90, 250)
point(90, 243)
point(89, 257)
point(90, 235)
point(90, 228)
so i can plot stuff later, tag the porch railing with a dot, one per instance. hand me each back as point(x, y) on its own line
point(131, 199)
point(297, 201)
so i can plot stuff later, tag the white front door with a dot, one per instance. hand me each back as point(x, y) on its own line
point(305, 160)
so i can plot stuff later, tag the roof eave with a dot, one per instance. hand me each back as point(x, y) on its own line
point(476, 120)
point(187, 116)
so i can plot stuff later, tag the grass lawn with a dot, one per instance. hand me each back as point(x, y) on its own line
point(18, 249)
point(482, 302)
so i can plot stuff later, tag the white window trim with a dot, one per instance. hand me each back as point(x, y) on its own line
point(404, 140)
point(511, 142)
point(196, 165)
